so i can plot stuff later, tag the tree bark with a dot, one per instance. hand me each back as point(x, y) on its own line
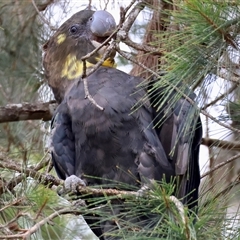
point(27, 111)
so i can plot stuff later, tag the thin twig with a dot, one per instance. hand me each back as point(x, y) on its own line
point(230, 90)
point(129, 6)
point(84, 58)
point(45, 179)
point(100, 62)
point(16, 180)
point(132, 15)
point(89, 96)
point(222, 192)
point(41, 209)
point(122, 35)
point(142, 47)
point(221, 165)
point(233, 79)
point(86, 73)
point(41, 16)
point(92, 70)
point(12, 203)
point(43, 162)
point(106, 192)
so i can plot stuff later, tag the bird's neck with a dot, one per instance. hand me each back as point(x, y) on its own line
point(74, 68)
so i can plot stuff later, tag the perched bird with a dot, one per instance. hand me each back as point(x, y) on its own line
point(115, 146)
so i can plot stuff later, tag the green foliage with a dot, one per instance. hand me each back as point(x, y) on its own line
point(206, 29)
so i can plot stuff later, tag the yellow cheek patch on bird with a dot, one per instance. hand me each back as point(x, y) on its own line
point(73, 68)
point(61, 38)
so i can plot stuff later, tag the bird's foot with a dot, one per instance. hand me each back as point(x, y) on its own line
point(146, 188)
point(71, 184)
point(70, 189)
point(79, 203)
point(143, 191)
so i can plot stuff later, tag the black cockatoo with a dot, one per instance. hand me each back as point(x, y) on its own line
point(114, 146)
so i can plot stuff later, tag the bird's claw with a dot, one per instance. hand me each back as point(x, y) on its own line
point(143, 191)
point(79, 203)
point(72, 182)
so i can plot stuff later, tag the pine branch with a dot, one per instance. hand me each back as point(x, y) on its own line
point(27, 111)
point(49, 180)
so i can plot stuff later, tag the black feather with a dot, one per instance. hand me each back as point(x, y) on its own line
point(179, 128)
